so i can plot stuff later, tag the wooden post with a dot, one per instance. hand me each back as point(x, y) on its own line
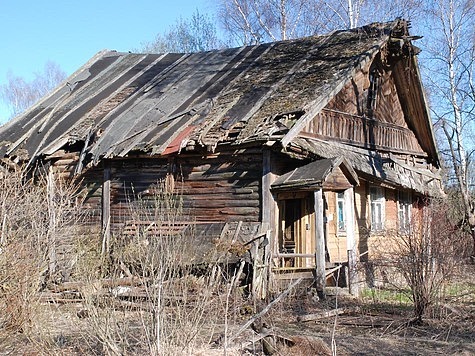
point(351, 241)
point(320, 279)
point(266, 193)
point(268, 216)
point(106, 210)
point(52, 222)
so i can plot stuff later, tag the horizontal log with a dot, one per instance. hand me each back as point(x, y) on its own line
point(109, 282)
point(216, 203)
point(326, 314)
point(217, 184)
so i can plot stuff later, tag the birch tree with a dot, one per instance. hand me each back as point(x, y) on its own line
point(19, 94)
point(255, 21)
point(450, 56)
point(198, 33)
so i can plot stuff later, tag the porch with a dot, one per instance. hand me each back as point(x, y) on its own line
point(299, 248)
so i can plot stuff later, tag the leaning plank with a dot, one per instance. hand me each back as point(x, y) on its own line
point(325, 314)
point(109, 282)
point(263, 311)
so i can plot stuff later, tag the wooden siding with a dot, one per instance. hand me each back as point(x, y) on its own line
point(346, 118)
point(388, 107)
point(336, 242)
point(218, 188)
point(221, 187)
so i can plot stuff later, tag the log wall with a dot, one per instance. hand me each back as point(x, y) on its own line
point(219, 188)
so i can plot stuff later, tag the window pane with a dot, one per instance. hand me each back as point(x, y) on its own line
point(377, 208)
point(341, 216)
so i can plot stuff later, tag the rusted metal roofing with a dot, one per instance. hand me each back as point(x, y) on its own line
point(119, 103)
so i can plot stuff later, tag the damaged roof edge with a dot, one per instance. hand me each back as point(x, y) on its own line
point(61, 85)
point(315, 107)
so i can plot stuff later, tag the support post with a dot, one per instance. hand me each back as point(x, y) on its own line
point(266, 193)
point(351, 242)
point(261, 278)
point(106, 211)
point(52, 222)
point(320, 279)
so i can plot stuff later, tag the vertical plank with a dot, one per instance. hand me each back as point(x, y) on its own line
point(266, 193)
point(319, 243)
point(52, 222)
point(351, 241)
point(106, 208)
point(268, 219)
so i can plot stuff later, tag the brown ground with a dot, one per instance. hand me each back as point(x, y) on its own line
point(377, 324)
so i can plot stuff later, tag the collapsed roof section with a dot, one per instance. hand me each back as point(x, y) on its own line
point(119, 103)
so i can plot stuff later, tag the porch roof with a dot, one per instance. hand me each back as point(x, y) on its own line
point(315, 174)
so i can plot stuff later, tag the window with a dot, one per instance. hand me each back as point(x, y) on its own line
point(377, 208)
point(340, 212)
point(404, 212)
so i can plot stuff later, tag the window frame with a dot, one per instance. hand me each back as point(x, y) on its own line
point(404, 212)
point(377, 198)
point(340, 214)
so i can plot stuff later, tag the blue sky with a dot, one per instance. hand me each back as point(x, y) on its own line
point(68, 32)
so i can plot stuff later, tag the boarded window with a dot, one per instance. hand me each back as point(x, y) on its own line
point(404, 212)
point(340, 212)
point(377, 208)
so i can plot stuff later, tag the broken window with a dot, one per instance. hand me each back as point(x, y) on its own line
point(404, 212)
point(377, 200)
point(340, 212)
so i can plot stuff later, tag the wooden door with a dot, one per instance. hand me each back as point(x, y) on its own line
point(297, 231)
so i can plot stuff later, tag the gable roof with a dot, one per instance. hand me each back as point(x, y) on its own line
point(119, 103)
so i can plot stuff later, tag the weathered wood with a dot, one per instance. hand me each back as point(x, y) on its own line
point(266, 185)
point(320, 280)
point(106, 209)
point(351, 241)
point(52, 222)
point(263, 311)
point(107, 282)
point(326, 314)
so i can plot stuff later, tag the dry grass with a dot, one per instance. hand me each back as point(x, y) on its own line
point(173, 309)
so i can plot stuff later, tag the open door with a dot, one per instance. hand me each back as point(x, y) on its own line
point(301, 203)
point(296, 232)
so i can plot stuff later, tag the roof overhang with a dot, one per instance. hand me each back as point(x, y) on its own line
point(331, 173)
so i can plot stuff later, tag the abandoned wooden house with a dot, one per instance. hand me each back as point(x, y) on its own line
point(305, 150)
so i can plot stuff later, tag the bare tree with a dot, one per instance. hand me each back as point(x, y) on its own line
point(196, 34)
point(451, 51)
point(426, 257)
point(256, 21)
point(19, 94)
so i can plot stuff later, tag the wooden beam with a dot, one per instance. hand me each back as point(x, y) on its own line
point(319, 243)
point(266, 193)
point(51, 190)
point(106, 208)
point(351, 241)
